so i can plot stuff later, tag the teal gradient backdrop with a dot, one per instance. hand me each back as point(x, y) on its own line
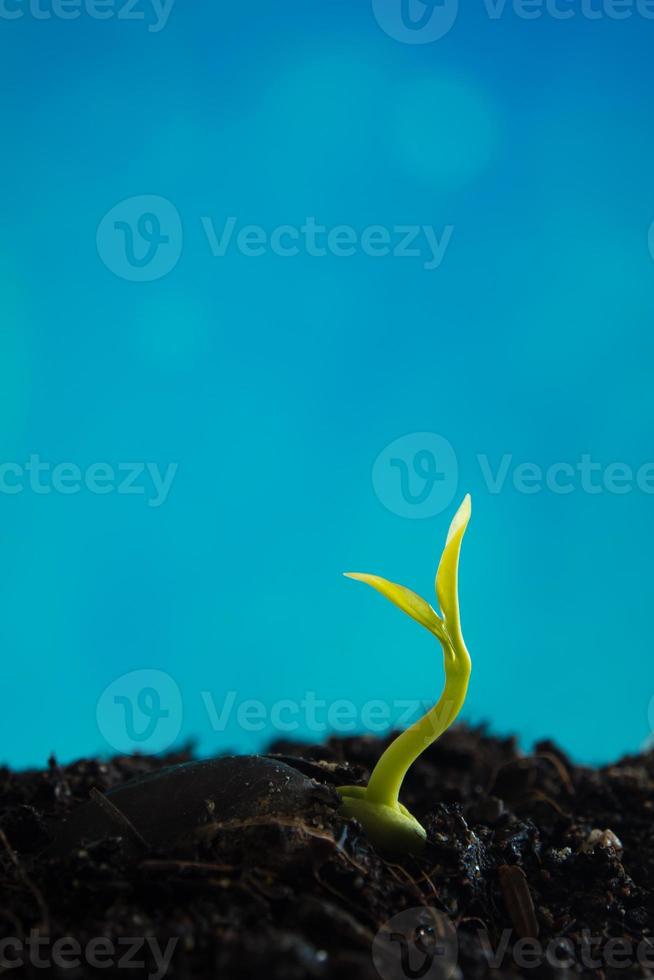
point(273, 382)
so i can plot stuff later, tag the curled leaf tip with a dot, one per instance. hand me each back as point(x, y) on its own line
point(448, 568)
point(461, 518)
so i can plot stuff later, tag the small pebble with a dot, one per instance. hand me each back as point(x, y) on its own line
point(601, 838)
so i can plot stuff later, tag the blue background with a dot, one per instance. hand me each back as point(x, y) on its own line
point(275, 382)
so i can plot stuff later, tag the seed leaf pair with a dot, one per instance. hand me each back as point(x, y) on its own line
point(446, 583)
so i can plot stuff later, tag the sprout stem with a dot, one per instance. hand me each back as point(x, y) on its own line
point(388, 775)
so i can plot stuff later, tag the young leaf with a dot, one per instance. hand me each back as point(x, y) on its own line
point(405, 599)
point(448, 569)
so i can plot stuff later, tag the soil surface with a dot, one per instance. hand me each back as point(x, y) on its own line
point(534, 867)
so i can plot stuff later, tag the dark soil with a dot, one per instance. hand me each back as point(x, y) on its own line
point(552, 860)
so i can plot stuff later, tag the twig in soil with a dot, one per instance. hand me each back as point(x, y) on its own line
point(118, 817)
point(524, 761)
point(359, 909)
point(518, 901)
point(394, 868)
point(291, 824)
point(425, 877)
point(560, 768)
point(536, 794)
point(201, 867)
point(44, 925)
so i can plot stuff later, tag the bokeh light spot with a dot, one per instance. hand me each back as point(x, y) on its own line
point(445, 128)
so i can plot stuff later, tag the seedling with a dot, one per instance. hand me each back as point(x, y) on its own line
point(172, 807)
point(388, 823)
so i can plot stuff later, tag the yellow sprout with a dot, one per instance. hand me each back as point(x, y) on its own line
point(376, 806)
